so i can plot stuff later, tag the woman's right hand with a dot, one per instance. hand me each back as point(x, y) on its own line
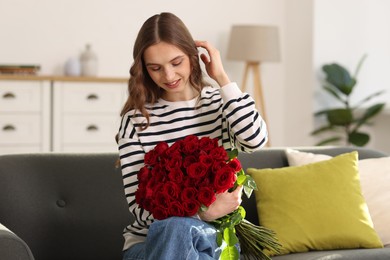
point(224, 204)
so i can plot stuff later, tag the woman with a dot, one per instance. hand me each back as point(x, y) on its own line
point(168, 100)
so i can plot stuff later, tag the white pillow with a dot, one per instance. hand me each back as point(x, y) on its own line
point(375, 181)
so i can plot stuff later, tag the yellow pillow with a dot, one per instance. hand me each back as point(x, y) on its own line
point(317, 206)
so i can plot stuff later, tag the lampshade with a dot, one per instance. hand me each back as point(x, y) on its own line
point(254, 43)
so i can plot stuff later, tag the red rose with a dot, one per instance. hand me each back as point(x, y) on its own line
point(197, 170)
point(190, 144)
point(207, 144)
point(144, 174)
point(191, 207)
point(206, 159)
point(174, 161)
point(188, 194)
point(176, 175)
point(162, 199)
point(151, 158)
point(172, 189)
point(206, 196)
point(188, 160)
point(140, 195)
point(174, 148)
point(224, 179)
point(159, 173)
point(160, 148)
point(160, 213)
point(219, 153)
point(176, 209)
point(150, 186)
point(235, 164)
point(217, 165)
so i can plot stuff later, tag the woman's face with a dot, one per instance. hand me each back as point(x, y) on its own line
point(170, 69)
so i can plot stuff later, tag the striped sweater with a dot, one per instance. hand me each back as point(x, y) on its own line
point(224, 113)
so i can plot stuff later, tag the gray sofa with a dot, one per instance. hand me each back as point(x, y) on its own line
point(72, 206)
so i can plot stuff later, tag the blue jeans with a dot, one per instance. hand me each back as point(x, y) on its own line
point(177, 238)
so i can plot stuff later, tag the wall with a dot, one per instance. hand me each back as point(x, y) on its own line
point(343, 35)
point(48, 32)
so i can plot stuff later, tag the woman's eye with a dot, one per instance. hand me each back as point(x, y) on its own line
point(155, 68)
point(176, 64)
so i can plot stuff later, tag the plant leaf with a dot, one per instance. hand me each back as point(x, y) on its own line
point(241, 179)
point(361, 102)
point(331, 90)
point(250, 182)
point(232, 154)
point(339, 77)
point(340, 116)
point(358, 67)
point(229, 235)
point(230, 253)
point(358, 138)
point(322, 129)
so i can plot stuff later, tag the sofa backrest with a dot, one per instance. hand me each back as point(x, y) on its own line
point(64, 206)
point(72, 206)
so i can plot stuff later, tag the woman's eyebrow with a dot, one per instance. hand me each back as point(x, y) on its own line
point(174, 59)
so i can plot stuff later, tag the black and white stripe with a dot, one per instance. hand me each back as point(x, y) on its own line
point(224, 113)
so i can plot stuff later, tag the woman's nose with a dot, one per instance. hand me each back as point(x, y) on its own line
point(169, 74)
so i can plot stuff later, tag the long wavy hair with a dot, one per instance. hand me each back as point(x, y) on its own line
point(164, 27)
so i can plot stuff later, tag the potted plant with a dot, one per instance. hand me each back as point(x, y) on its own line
point(345, 120)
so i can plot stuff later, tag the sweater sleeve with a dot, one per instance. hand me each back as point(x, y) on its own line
point(131, 156)
point(247, 129)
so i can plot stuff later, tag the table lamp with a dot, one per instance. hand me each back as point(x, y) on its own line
point(254, 44)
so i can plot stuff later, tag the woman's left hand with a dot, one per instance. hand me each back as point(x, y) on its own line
point(213, 63)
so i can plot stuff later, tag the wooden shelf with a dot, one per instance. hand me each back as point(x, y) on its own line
point(62, 78)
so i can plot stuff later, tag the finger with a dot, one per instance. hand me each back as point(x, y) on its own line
point(204, 58)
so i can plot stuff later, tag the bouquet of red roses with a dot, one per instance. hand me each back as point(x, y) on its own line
point(182, 179)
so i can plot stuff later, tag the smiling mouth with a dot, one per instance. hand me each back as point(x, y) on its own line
point(173, 84)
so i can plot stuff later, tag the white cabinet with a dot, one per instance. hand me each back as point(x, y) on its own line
point(24, 116)
point(86, 115)
point(60, 114)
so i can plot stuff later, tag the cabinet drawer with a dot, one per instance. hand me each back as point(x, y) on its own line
point(91, 129)
point(20, 96)
point(91, 97)
point(20, 129)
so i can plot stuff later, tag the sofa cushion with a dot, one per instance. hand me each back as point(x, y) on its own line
point(375, 181)
point(316, 206)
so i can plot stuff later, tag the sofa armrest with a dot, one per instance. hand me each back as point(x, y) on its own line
point(13, 247)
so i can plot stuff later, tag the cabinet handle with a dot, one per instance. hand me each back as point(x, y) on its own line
point(9, 128)
point(92, 128)
point(92, 97)
point(9, 95)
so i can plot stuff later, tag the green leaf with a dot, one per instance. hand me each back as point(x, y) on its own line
point(250, 182)
point(241, 179)
point(248, 192)
point(369, 113)
point(229, 235)
point(339, 77)
point(219, 238)
point(358, 138)
point(232, 154)
point(330, 89)
point(369, 98)
point(203, 208)
point(358, 67)
point(322, 129)
point(241, 211)
point(340, 116)
point(230, 253)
